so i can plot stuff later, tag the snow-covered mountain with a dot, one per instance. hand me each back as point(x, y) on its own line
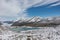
point(38, 20)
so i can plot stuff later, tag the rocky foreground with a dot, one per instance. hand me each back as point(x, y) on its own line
point(44, 33)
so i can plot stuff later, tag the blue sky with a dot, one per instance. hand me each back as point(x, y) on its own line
point(17, 9)
point(44, 11)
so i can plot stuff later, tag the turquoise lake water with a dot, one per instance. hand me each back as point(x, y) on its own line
point(24, 28)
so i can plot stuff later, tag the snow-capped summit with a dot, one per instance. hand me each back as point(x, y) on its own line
point(38, 18)
point(40, 21)
point(31, 19)
point(35, 19)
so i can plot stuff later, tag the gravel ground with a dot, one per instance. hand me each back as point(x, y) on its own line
point(44, 33)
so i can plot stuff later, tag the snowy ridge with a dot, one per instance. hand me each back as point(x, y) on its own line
point(37, 18)
point(50, 21)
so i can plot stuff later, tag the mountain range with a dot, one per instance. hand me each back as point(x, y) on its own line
point(38, 21)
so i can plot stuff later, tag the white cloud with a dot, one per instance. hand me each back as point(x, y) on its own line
point(11, 8)
point(17, 8)
point(46, 2)
point(55, 4)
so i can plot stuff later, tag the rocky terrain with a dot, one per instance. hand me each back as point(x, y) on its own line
point(43, 33)
point(26, 33)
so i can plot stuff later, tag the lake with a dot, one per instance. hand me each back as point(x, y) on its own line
point(24, 28)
